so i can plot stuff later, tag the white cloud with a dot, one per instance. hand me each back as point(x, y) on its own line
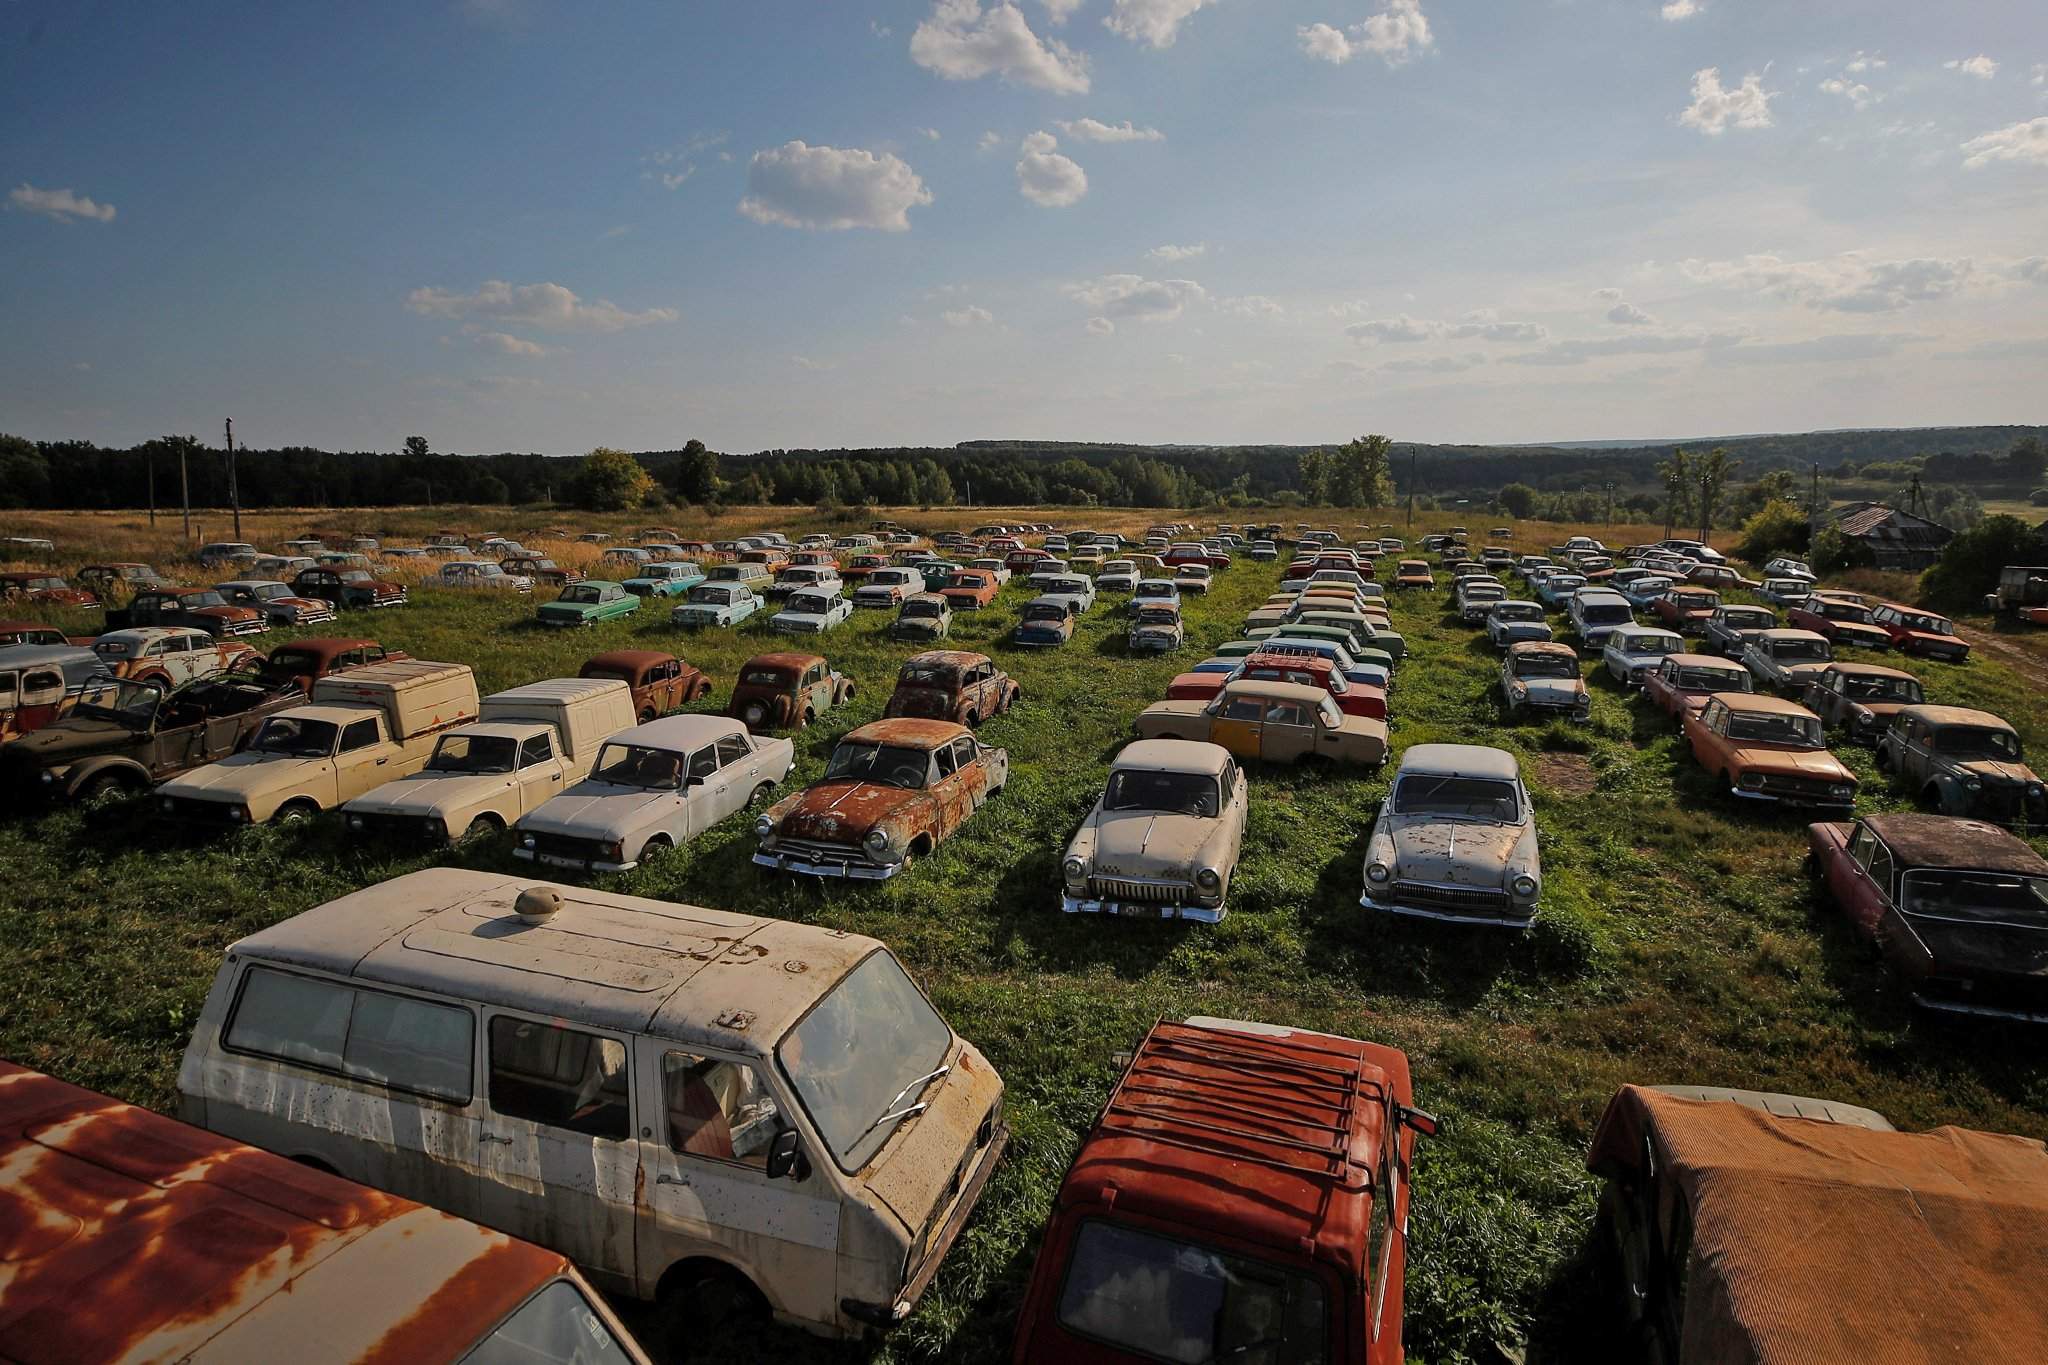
point(1441, 364)
point(1059, 11)
point(1134, 296)
point(1155, 23)
point(1482, 325)
point(549, 307)
point(831, 188)
point(1395, 35)
point(671, 180)
point(1252, 306)
point(1714, 108)
point(1845, 284)
point(1100, 327)
point(989, 141)
point(63, 205)
point(1047, 178)
point(1580, 350)
point(2024, 142)
point(1169, 252)
point(970, 316)
point(804, 362)
point(1609, 293)
point(1628, 315)
point(506, 344)
point(671, 166)
point(931, 133)
point(1676, 10)
point(1846, 346)
point(1980, 66)
point(962, 42)
point(1855, 92)
point(1865, 61)
point(1094, 130)
point(2040, 73)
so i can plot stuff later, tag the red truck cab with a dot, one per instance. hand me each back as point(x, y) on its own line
point(1242, 1196)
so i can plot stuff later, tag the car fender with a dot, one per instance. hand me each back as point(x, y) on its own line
point(79, 774)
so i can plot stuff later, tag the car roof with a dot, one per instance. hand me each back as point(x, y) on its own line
point(1289, 1122)
point(1173, 756)
point(678, 732)
point(789, 659)
point(1956, 715)
point(1465, 760)
point(1784, 633)
point(1705, 661)
point(557, 689)
point(197, 1247)
point(1862, 670)
point(1526, 647)
point(604, 960)
point(27, 656)
point(1759, 703)
point(907, 732)
point(1919, 840)
point(1278, 691)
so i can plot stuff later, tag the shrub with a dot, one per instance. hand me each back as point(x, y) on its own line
point(1777, 528)
point(1833, 552)
point(1969, 565)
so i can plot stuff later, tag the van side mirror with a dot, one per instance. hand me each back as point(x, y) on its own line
point(786, 1158)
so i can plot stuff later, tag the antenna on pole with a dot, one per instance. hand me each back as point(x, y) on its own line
point(234, 490)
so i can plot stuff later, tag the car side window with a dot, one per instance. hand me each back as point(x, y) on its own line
point(1244, 708)
point(1860, 845)
point(559, 1077)
point(360, 734)
point(718, 1109)
point(535, 749)
point(733, 749)
point(1880, 868)
point(962, 751)
point(703, 763)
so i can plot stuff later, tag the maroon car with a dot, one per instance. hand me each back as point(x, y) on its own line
point(316, 656)
point(660, 682)
point(44, 587)
point(951, 684)
point(1681, 683)
point(1842, 623)
point(1958, 907)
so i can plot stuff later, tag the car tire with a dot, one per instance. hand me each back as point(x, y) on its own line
point(761, 796)
point(754, 715)
point(294, 812)
point(697, 1312)
point(656, 848)
point(646, 714)
point(484, 827)
point(970, 718)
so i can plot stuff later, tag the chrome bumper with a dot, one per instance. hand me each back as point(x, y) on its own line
point(789, 862)
point(1505, 921)
point(1082, 905)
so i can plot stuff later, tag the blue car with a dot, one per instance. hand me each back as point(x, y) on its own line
point(664, 580)
point(1555, 588)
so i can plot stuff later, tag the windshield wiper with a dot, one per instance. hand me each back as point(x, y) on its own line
point(908, 1111)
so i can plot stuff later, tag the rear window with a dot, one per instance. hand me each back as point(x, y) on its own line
point(1175, 1301)
point(557, 1324)
point(392, 1040)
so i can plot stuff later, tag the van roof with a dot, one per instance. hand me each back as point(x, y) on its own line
point(618, 962)
point(200, 1248)
point(563, 690)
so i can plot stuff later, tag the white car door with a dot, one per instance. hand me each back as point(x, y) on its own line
point(540, 773)
point(704, 787)
point(712, 1120)
point(556, 1141)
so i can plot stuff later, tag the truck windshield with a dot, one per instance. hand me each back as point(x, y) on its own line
point(1168, 793)
point(892, 765)
point(1447, 794)
point(635, 765)
point(1172, 1300)
point(473, 754)
point(862, 1057)
point(297, 736)
point(1977, 742)
point(2002, 896)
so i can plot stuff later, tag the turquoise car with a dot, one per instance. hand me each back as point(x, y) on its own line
point(587, 603)
point(717, 604)
point(664, 580)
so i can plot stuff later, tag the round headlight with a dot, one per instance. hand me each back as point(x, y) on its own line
point(1750, 781)
point(764, 827)
point(1075, 869)
point(237, 813)
point(1208, 879)
point(355, 822)
point(1843, 789)
point(1524, 885)
point(1971, 784)
point(877, 840)
point(526, 841)
point(2034, 789)
point(168, 804)
point(1377, 872)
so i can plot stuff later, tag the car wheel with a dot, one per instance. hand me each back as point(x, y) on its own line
point(646, 714)
point(295, 813)
point(971, 718)
point(657, 848)
point(480, 829)
point(754, 715)
point(697, 1312)
point(1884, 760)
point(804, 721)
point(103, 787)
point(761, 796)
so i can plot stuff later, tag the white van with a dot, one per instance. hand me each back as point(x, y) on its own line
point(676, 1099)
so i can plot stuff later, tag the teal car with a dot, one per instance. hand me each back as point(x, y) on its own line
point(664, 580)
point(717, 604)
point(587, 603)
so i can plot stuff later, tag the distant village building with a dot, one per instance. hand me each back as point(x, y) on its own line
point(1895, 539)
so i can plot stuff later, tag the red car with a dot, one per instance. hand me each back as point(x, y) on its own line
point(37, 586)
point(1685, 609)
point(860, 566)
point(1681, 683)
point(1189, 552)
point(1920, 632)
point(1353, 699)
point(1243, 1196)
point(1843, 623)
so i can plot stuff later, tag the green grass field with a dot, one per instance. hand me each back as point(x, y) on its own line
point(1678, 942)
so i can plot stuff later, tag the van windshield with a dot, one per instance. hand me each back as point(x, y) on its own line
point(1176, 1301)
point(298, 736)
point(863, 1056)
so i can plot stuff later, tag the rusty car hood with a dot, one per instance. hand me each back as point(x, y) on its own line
point(842, 811)
point(1817, 763)
point(1457, 852)
point(915, 1168)
point(1143, 843)
point(1990, 770)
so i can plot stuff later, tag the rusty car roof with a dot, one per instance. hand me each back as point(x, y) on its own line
point(1269, 1135)
point(1714, 661)
point(1919, 840)
point(606, 960)
point(1759, 703)
point(906, 732)
point(134, 1236)
point(1956, 715)
point(1278, 691)
point(1543, 647)
point(789, 659)
point(632, 660)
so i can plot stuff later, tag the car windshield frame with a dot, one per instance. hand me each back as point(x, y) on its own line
point(1545, 666)
point(267, 740)
point(1162, 791)
point(2018, 912)
point(132, 703)
point(880, 763)
point(649, 767)
point(1438, 796)
point(1776, 728)
point(851, 1110)
point(1983, 751)
point(1881, 689)
point(1701, 678)
point(474, 764)
point(581, 595)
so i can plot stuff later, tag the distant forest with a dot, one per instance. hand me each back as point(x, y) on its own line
point(78, 474)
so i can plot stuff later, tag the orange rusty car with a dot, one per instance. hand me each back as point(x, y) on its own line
point(131, 1236)
point(951, 684)
point(970, 589)
point(1768, 749)
point(893, 791)
point(660, 681)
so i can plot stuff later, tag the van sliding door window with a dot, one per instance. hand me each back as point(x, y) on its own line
point(561, 1077)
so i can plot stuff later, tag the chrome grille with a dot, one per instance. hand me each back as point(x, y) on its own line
point(818, 851)
point(1125, 889)
point(1466, 898)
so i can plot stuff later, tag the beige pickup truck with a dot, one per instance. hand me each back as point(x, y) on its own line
point(361, 729)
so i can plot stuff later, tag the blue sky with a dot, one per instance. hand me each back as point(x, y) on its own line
point(531, 225)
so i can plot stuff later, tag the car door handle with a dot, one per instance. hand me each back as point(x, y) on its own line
point(666, 1179)
point(554, 777)
point(493, 1137)
point(382, 761)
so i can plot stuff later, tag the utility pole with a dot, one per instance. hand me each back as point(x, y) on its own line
point(1706, 504)
point(1610, 502)
point(1916, 503)
point(234, 490)
point(185, 489)
point(1813, 506)
point(1411, 490)
point(152, 487)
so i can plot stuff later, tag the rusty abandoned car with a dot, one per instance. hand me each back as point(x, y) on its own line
point(951, 684)
point(1163, 838)
point(1455, 840)
point(786, 691)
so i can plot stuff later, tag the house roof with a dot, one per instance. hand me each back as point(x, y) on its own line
point(1876, 519)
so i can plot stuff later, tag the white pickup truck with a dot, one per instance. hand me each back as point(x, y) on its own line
point(529, 744)
point(361, 729)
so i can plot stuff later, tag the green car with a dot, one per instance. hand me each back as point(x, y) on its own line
point(587, 603)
